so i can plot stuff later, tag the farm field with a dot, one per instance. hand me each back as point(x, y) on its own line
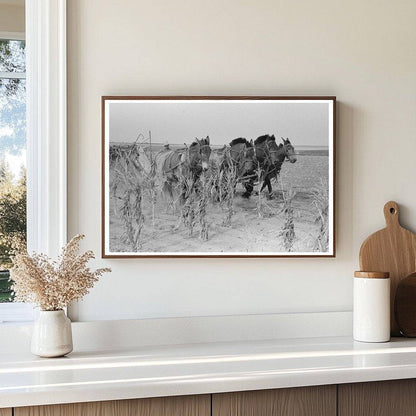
point(287, 222)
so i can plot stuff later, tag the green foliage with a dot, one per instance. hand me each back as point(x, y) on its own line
point(12, 213)
point(5, 292)
point(12, 141)
point(12, 223)
point(12, 56)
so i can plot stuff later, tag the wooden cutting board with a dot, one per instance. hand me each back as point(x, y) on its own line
point(393, 250)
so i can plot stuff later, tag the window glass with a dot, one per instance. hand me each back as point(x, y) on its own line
point(12, 56)
point(12, 156)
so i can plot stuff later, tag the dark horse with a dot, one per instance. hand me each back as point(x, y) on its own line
point(271, 156)
point(243, 159)
point(188, 163)
point(234, 163)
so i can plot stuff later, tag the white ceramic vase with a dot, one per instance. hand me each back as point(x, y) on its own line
point(52, 334)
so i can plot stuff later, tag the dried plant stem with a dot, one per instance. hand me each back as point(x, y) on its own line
point(133, 217)
point(259, 202)
point(227, 185)
point(188, 209)
point(202, 206)
point(288, 230)
point(320, 202)
point(135, 173)
point(150, 182)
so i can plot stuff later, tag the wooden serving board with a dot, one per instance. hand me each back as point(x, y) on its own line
point(393, 250)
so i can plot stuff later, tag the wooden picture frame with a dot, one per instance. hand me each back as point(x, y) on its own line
point(182, 176)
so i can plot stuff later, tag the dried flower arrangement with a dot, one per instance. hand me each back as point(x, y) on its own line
point(53, 285)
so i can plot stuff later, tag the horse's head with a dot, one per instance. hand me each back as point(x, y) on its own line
point(205, 153)
point(272, 150)
point(199, 153)
point(289, 150)
point(267, 151)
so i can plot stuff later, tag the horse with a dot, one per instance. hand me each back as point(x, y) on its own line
point(271, 156)
point(188, 163)
point(287, 152)
point(241, 157)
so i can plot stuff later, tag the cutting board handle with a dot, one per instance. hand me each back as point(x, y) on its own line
point(391, 214)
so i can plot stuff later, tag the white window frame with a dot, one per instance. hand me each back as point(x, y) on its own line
point(46, 127)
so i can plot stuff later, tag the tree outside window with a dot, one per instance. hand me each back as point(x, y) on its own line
point(12, 156)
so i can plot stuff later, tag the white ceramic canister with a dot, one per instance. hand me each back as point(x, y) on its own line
point(52, 334)
point(371, 307)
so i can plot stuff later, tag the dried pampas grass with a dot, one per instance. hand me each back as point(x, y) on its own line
point(53, 285)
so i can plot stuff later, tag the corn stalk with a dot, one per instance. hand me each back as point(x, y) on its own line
point(227, 183)
point(320, 203)
point(131, 179)
point(288, 230)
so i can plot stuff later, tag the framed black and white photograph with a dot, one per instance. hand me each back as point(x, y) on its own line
point(218, 176)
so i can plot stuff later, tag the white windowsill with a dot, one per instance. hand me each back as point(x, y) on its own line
point(16, 313)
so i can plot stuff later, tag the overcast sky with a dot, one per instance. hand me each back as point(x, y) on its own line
point(180, 122)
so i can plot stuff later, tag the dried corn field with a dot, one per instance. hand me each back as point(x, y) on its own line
point(210, 214)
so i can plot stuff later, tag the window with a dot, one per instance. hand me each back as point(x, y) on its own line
point(45, 27)
point(12, 153)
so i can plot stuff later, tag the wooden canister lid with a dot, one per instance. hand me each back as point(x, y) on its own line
point(372, 275)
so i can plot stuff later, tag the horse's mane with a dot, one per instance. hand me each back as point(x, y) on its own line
point(240, 140)
point(263, 138)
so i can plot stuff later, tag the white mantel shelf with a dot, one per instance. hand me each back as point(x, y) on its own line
point(152, 371)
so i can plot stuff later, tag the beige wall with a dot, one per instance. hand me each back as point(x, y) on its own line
point(12, 18)
point(361, 51)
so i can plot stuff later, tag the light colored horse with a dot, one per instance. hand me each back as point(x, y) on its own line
point(174, 166)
